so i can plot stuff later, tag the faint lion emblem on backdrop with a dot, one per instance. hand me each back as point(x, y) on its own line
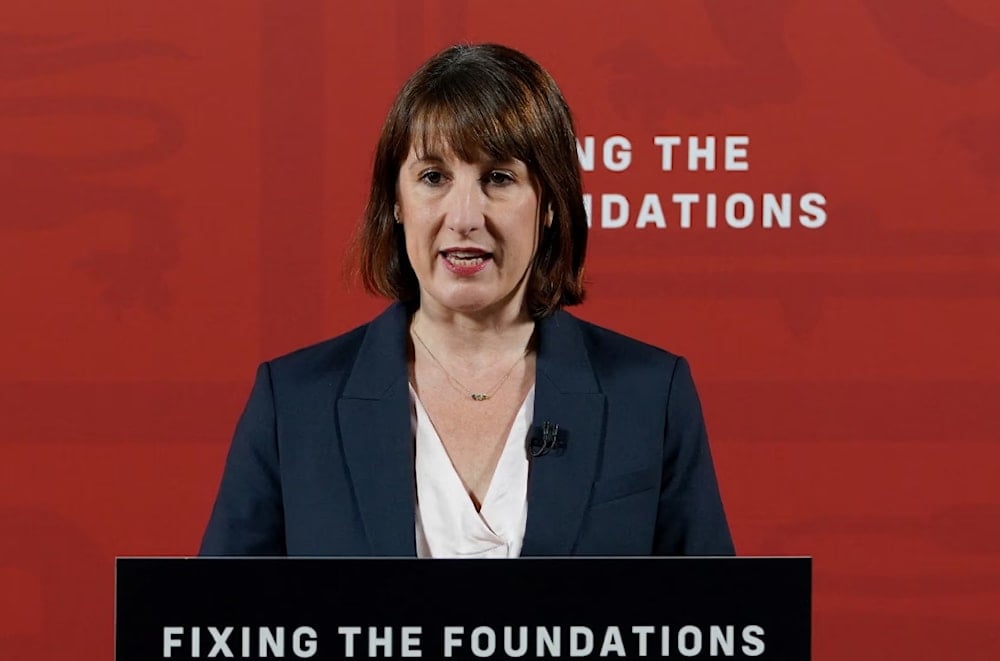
point(928, 36)
point(45, 187)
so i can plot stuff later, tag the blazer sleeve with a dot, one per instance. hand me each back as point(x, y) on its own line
point(248, 516)
point(690, 518)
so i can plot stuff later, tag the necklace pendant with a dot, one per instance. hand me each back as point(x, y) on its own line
point(480, 396)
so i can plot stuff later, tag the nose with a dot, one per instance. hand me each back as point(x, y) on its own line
point(466, 208)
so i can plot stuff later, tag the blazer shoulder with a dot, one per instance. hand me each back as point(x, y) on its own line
point(623, 363)
point(605, 343)
point(321, 360)
point(370, 357)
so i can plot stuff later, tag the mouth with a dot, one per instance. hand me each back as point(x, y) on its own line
point(466, 256)
point(466, 261)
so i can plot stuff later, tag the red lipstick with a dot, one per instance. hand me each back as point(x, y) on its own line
point(465, 262)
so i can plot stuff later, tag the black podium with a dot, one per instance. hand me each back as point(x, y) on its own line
point(545, 608)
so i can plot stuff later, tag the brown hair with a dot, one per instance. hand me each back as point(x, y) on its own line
point(481, 99)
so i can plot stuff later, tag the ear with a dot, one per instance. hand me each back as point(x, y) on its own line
point(395, 213)
point(549, 217)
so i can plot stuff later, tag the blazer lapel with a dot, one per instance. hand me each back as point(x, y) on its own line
point(374, 426)
point(566, 394)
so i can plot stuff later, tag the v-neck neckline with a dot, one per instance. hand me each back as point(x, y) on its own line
point(445, 505)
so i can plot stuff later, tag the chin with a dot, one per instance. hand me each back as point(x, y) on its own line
point(471, 298)
point(468, 303)
point(466, 306)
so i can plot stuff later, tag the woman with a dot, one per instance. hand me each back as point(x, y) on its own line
point(474, 418)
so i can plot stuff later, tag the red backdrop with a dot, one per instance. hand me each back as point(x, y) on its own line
point(178, 181)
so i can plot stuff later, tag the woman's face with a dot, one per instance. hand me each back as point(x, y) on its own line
point(471, 231)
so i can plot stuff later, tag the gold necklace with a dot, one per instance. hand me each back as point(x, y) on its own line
point(461, 387)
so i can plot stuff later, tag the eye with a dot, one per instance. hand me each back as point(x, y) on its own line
point(432, 177)
point(499, 178)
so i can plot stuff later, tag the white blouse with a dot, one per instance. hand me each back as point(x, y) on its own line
point(447, 523)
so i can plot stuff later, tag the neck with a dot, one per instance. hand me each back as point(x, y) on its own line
point(476, 340)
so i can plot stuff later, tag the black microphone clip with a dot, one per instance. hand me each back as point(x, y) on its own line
point(550, 440)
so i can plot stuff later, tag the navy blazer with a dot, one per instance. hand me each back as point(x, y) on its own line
point(322, 459)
